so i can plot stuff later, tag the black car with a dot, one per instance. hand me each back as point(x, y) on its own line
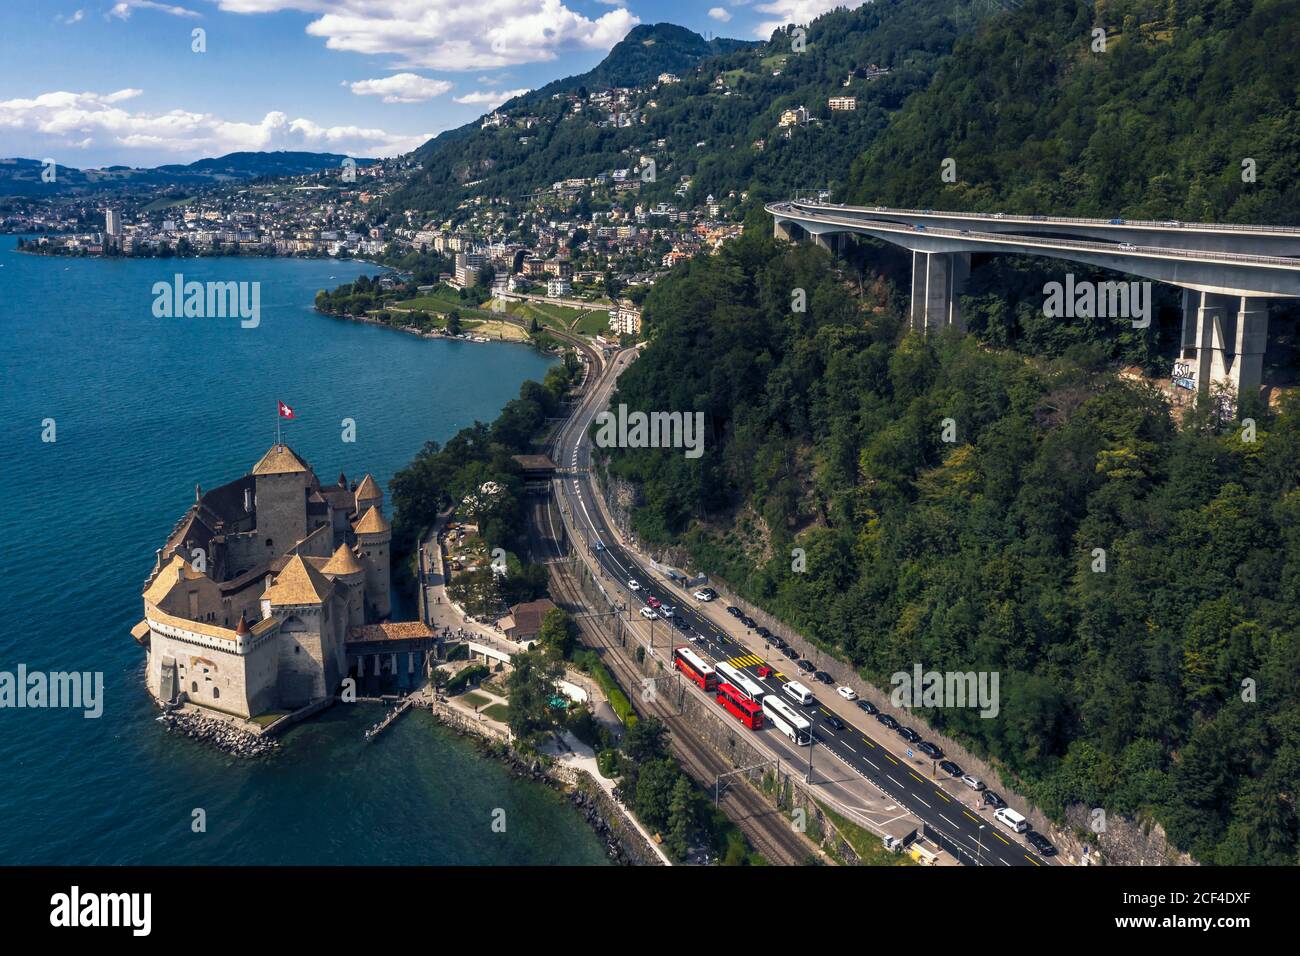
point(868, 706)
point(1040, 843)
point(777, 642)
point(790, 652)
point(746, 620)
point(910, 735)
point(930, 750)
point(733, 611)
point(993, 800)
point(888, 721)
point(830, 720)
point(806, 666)
point(824, 677)
point(950, 768)
point(763, 632)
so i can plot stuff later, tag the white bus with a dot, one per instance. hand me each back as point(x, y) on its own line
point(740, 680)
point(785, 719)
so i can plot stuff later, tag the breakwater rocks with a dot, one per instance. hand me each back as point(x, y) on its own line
point(219, 734)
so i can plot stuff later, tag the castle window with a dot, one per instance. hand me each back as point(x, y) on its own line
point(194, 687)
point(297, 649)
point(268, 542)
point(216, 693)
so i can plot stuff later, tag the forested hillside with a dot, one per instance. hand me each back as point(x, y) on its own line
point(1121, 688)
point(1156, 127)
point(711, 130)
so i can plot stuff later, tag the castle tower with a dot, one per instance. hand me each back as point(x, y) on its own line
point(374, 535)
point(299, 597)
point(281, 499)
point(345, 569)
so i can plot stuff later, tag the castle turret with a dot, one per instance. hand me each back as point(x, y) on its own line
point(345, 569)
point(368, 495)
point(374, 535)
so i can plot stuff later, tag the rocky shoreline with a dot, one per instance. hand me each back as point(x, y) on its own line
point(219, 734)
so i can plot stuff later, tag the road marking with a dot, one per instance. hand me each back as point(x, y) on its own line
point(940, 793)
point(949, 822)
point(850, 748)
point(923, 803)
point(918, 779)
point(970, 817)
point(895, 781)
point(1032, 860)
point(889, 757)
point(868, 742)
point(872, 764)
point(1001, 837)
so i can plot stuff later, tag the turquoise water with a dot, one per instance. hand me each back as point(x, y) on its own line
point(145, 408)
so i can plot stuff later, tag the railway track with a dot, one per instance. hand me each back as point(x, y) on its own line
point(763, 825)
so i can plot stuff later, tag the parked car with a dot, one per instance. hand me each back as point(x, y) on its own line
point(908, 734)
point(705, 594)
point(832, 721)
point(888, 721)
point(746, 620)
point(950, 768)
point(790, 652)
point(930, 750)
point(868, 707)
point(806, 666)
point(634, 585)
point(648, 613)
point(848, 693)
point(733, 611)
point(975, 783)
point(1040, 843)
point(763, 632)
point(993, 800)
point(777, 642)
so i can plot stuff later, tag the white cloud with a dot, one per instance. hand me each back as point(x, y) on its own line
point(489, 98)
point(401, 88)
point(82, 121)
point(719, 14)
point(75, 17)
point(452, 34)
point(785, 12)
point(123, 9)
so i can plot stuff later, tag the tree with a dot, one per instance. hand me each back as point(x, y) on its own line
point(453, 322)
point(557, 632)
point(646, 741)
point(530, 687)
point(681, 818)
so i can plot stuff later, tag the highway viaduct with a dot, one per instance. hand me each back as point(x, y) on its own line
point(1227, 272)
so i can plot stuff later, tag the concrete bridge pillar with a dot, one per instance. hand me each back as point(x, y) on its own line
point(826, 242)
point(781, 230)
point(938, 279)
point(1223, 340)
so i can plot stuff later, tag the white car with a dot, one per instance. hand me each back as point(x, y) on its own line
point(634, 585)
point(847, 693)
point(1127, 246)
point(973, 782)
point(666, 611)
point(648, 613)
point(704, 594)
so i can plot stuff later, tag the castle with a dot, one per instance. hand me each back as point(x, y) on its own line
point(248, 605)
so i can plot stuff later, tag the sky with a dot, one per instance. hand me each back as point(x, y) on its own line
point(92, 83)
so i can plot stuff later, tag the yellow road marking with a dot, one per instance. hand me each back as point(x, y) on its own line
point(1001, 837)
point(971, 817)
point(918, 779)
point(890, 756)
point(867, 742)
point(1032, 860)
point(944, 795)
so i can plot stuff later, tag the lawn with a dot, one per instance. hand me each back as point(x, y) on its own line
point(476, 700)
point(497, 712)
point(594, 323)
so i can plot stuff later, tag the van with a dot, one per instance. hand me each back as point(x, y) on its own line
point(1010, 818)
point(798, 693)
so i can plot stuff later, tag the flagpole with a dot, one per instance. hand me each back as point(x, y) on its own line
point(277, 421)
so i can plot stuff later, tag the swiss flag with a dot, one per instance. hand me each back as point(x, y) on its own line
point(285, 410)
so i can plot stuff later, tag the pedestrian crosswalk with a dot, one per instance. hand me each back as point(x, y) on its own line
point(749, 660)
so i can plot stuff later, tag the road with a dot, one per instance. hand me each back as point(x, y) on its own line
point(859, 750)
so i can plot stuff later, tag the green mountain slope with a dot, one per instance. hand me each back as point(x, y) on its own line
point(710, 131)
point(1157, 126)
